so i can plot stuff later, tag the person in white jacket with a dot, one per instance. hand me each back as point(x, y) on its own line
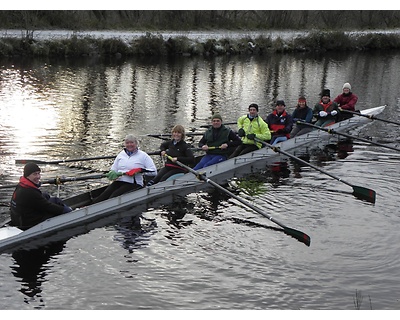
point(127, 170)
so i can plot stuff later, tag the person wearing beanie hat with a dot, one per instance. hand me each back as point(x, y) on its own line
point(218, 142)
point(29, 206)
point(251, 126)
point(326, 110)
point(326, 93)
point(346, 101)
point(30, 168)
point(347, 86)
point(216, 116)
point(280, 122)
point(301, 113)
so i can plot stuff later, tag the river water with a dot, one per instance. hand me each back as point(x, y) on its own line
point(219, 254)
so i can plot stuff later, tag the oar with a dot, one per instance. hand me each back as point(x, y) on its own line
point(60, 180)
point(359, 192)
point(225, 123)
point(24, 161)
point(370, 116)
point(168, 135)
point(301, 236)
point(332, 131)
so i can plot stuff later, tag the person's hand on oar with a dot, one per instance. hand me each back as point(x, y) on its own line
point(113, 175)
point(206, 147)
point(133, 171)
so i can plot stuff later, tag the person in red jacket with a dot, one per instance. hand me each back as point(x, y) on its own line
point(347, 101)
point(29, 205)
point(280, 123)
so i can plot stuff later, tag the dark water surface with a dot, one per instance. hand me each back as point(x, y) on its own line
point(218, 254)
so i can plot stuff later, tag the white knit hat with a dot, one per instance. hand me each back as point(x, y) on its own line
point(347, 85)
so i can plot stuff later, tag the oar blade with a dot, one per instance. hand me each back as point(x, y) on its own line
point(364, 194)
point(300, 236)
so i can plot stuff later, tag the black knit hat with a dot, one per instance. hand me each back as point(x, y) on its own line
point(326, 92)
point(30, 168)
point(280, 102)
point(253, 105)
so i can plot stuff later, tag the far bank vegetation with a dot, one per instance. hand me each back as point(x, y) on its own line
point(326, 31)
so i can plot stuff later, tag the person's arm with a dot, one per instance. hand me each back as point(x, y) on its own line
point(164, 146)
point(202, 141)
point(234, 139)
point(350, 105)
point(309, 116)
point(187, 156)
point(149, 166)
point(44, 206)
point(265, 133)
point(288, 124)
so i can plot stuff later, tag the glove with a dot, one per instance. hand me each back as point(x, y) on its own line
point(112, 175)
point(322, 114)
point(251, 136)
point(334, 113)
point(133, 171)
point(241, 132)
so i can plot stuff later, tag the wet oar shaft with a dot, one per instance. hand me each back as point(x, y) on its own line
point(359, 192)
point(61, 180)
point(301, 236)
point(332, 131)
point(369, 116)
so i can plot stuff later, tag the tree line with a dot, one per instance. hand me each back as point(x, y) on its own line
point(328, 20)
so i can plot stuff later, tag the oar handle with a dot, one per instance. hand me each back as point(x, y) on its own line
point(61, 180)
point(25, 161)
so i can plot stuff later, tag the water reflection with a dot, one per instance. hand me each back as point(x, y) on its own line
point(31, 267)
point(84, 107)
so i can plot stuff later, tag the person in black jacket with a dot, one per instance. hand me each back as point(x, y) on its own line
point(179, 150)
point(29, 206)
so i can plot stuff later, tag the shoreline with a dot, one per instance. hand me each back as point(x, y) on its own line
point(68, 43)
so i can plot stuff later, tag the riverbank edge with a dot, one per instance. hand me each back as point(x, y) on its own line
point(156, 44)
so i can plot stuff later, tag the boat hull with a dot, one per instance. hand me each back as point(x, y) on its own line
point(87, 216)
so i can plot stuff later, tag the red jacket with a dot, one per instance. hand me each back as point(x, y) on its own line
point(347, 101)
point(280, 124)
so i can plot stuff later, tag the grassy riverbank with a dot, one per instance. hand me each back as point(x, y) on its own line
point(156, 45)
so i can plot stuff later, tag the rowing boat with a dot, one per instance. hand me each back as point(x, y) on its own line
point(87, 216)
